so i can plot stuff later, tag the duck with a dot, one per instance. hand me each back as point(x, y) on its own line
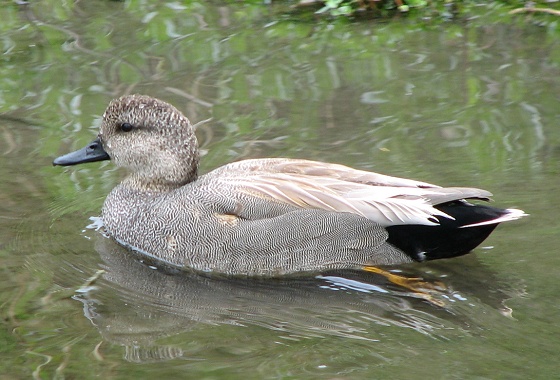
point(269, 216)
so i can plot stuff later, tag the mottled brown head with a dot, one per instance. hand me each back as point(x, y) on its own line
point(152, 139)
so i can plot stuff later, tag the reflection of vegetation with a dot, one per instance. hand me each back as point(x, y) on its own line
point(437, 9)
point(466, 103)
point(353, 7)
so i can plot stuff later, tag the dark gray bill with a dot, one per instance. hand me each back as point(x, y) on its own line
point(92, 152)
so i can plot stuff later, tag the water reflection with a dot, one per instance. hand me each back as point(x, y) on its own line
point(138, 305)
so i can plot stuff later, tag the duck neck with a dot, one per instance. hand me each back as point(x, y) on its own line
point(165, 174)
point(157, 184)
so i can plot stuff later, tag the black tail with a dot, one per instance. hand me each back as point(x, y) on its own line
point(447, 239)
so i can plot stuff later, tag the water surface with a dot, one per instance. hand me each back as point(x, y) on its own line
point(465, 103)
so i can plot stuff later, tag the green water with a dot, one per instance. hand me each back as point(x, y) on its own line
point(465, 103)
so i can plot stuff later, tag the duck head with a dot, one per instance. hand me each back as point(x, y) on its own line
point(150, 138)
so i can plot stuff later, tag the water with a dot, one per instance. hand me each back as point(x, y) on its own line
point(470, 103)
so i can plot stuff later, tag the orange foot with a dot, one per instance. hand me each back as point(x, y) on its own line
point(421, 288)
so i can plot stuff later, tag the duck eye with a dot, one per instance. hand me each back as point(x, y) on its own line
point(126, 127)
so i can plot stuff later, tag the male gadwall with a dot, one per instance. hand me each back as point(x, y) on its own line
point(269, 216)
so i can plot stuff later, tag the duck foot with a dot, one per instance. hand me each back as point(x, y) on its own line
point(420, 288)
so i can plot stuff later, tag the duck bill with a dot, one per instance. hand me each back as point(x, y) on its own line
point(92, 152)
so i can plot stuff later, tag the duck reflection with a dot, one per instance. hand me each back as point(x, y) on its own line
point(138, 304)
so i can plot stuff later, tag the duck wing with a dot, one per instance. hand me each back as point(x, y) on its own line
point(313, 169)
point(388, 201)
